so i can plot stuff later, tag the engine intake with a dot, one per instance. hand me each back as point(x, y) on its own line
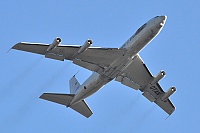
point(158, 77)
point(54, 44)
point(86, 45)
point(168, 93)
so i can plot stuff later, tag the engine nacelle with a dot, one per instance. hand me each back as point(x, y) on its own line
point(168, 93)
point(55, 43)
point(158, 77)
point(86, 45)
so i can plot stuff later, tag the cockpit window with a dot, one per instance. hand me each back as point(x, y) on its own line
point(142, 27)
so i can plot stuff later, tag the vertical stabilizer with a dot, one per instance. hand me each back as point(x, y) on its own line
point(74, 85)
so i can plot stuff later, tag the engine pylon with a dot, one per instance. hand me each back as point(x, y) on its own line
point(158, 77)
point(168, 93)
point(54, 44)
point(86, 45)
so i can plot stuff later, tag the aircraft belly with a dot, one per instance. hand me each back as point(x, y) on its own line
point(141, 40)
point(95, 86)
point(92, 90)
point(136, 45)
point(139, 44)
point(89, 88)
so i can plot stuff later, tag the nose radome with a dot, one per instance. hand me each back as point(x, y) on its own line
point(161, 20)
point(163, 17)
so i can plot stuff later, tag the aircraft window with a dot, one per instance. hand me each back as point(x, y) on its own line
point(142, 27)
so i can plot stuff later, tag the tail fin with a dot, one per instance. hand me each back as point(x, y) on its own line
point(74, 85)
point(65, 99)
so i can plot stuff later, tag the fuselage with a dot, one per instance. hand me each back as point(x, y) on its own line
point(132, 47)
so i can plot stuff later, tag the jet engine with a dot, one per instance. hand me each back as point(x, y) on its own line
point(168, 93)
point(158, 77)
point(86, 45)
point(55, 43)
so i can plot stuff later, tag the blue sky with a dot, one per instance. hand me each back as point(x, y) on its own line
point(117, 108)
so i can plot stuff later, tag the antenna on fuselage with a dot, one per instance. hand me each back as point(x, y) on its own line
point(76, 73)
point(167, 117)
point(8, 50)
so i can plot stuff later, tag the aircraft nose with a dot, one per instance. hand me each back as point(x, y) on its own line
point(160, 20)
point(163, 17)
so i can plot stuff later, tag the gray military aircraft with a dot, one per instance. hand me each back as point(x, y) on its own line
point(122, 64)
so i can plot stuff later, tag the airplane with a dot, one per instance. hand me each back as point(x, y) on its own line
point(123, 64)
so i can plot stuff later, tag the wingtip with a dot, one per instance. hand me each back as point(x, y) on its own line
point(43, 96)
point(171, 111)
point(88, 116)
point(16, 46)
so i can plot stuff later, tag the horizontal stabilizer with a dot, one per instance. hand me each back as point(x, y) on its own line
point(82, 108)
point(65, 99)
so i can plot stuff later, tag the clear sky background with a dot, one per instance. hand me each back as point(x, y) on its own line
point(117, 108)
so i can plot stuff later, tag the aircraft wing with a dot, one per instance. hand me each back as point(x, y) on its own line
point(137, 76)
point(94, 59)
